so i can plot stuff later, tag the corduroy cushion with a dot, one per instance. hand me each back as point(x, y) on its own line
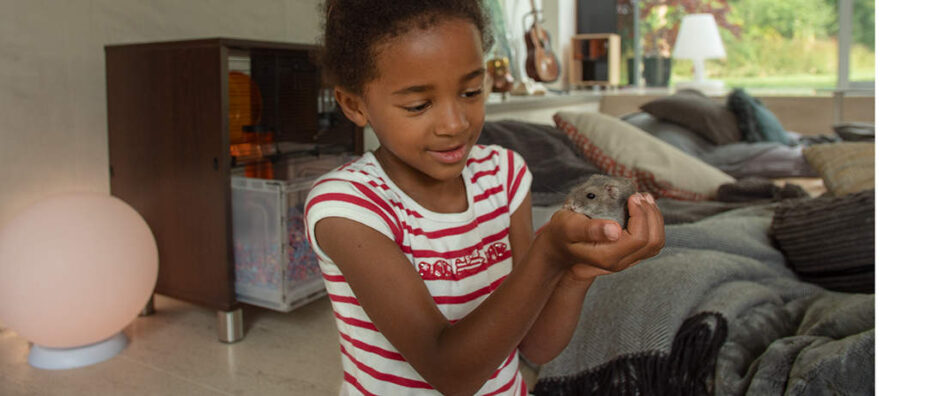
point(829, 240)
point(693, 110)
point(620, 149)
point(756, 123)
point(846, 167)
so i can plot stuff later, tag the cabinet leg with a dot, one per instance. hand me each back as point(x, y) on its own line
point(230, 326)
point(149, 307)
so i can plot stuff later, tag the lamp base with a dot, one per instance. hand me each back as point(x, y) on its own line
point(68, 358)
point(704, 86)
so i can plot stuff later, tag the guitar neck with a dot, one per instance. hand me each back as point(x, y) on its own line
point(536, 26)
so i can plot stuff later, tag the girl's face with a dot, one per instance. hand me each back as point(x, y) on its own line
point(427, 105)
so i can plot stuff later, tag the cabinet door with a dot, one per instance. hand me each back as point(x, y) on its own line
point(168, 148)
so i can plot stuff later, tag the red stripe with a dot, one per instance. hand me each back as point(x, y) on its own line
point(352, 380)
point(343, 299)
point(340, 197)
point(511, 170)
point(457, 230)
point(373, 349)
point(455, 253)
point(334, 278)
point(483, 159)
point(355, 322)
point(524, 388)
point(470, 296)
point(507, 362)
point(478, 175)
point(394, 379)
point(504, 387)
point(514, 188)
point(382, 185)
point(376, 199)
point(407, 210)
point(487, 193)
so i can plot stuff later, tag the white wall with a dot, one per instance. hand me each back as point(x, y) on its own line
point(53, 136)
point(558, 21)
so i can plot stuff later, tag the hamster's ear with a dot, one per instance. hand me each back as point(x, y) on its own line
point(352, 105)
point(613, 191)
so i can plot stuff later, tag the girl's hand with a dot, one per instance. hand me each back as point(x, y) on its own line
point(593, 247)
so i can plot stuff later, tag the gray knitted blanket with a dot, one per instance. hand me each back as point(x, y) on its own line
point(717, 312)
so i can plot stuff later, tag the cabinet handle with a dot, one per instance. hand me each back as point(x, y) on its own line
point(215, 163)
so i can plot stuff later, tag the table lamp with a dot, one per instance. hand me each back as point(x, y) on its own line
point(699, 39)
point(75, 269)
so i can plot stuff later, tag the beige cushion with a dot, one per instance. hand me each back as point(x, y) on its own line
point(846, 167)
point(621, 149)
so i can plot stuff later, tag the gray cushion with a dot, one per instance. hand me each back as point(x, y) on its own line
point(698, 113)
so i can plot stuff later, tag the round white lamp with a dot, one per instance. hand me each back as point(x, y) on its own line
point(698, 39)
point(74, 271)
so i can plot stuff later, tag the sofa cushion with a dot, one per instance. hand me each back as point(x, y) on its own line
point(621, 149)
point(698, 113)
point(755, 121)
point(846, 167)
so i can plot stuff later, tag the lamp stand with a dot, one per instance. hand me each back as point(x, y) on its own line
point(68, 358)
point(700, 83)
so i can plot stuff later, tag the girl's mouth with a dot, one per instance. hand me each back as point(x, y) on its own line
point(450, 156)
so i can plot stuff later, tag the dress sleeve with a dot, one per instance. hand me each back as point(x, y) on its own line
point(518, 180)
point(353, 200)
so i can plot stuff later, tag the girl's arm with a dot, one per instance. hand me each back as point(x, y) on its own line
point(459, 358)
point(556, 324)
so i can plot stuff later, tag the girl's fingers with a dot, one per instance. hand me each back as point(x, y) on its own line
point(644, 238)
point(645, 219)
point(580, 228)
point(602, 243)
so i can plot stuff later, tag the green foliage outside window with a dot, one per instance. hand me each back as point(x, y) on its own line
point(783, 43)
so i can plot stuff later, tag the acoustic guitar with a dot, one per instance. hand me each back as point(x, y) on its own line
point(541, 63)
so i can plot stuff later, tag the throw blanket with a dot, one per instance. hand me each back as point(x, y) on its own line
point(744, 159)
point(716, 312)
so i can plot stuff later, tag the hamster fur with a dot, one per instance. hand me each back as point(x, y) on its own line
point(602, 197)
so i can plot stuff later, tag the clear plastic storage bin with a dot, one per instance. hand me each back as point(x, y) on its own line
point(275, 266)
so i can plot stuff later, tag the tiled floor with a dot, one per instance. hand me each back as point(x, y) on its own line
point(175, 352)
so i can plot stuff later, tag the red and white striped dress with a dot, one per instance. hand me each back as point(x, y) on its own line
point(461, 257)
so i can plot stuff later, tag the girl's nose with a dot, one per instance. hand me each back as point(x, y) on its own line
point(453, 120)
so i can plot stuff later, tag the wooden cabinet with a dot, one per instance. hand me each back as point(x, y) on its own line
point(169, 146)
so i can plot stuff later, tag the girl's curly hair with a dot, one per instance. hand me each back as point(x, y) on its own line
point(355, 28)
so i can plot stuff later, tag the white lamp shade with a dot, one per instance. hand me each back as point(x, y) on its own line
point(698, 38)
point(75, 269)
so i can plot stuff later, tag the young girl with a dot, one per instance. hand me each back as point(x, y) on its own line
point(425, 244)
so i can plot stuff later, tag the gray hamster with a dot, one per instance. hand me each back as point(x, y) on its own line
point(602, 197)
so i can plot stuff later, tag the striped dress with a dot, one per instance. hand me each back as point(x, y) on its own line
point(461, 257)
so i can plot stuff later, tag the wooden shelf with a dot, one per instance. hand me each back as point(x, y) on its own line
point(169, 146)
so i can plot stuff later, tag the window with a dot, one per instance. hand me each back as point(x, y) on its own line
point(790, 45)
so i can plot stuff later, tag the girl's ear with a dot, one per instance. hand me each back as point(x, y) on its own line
point(352, 106)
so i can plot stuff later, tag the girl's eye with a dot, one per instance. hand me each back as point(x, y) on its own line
point(472, 93)
point(416, 109)
point(591, 195)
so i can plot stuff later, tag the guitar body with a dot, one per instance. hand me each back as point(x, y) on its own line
point(541, 63)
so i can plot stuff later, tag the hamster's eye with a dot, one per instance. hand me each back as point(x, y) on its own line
point(591, 195)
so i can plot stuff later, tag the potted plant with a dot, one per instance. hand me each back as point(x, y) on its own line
point(660, 21)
